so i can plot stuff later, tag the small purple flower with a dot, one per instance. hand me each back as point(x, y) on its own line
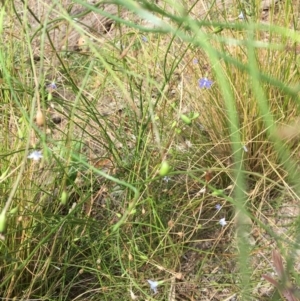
point(144, 39)
point(218, 207)
point(204, 83)
point(35, 155)
point(241, 16)
point(52, 86)
point(153, 286)
point(195, 61)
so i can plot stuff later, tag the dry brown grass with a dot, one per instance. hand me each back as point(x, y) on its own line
point(62, 31)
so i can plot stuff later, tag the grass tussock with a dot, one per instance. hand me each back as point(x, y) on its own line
point(149, 151)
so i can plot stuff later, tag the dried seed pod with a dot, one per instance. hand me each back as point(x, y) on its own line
point(56, 119)
point(81, 44)
point(208, 176)
point(40, 119)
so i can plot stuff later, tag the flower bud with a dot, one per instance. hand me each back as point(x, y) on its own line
point(217, 192)
point(2, 221)
point(185, 119)
point(217, 29)
point(14, 210)
point(64, 198)
point(164, 168)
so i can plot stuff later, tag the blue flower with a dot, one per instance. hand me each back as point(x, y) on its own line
point(218, 207)
point(153, 285)
point(222, 222)
point(144, 39)
point(52, 86)
point(35, 155)
point(204, 83)
point(195, 61)
point(166, 179)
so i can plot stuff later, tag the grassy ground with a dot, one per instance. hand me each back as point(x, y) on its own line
point(165, 149)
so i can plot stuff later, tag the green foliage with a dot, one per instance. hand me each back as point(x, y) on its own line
point(168, 151)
